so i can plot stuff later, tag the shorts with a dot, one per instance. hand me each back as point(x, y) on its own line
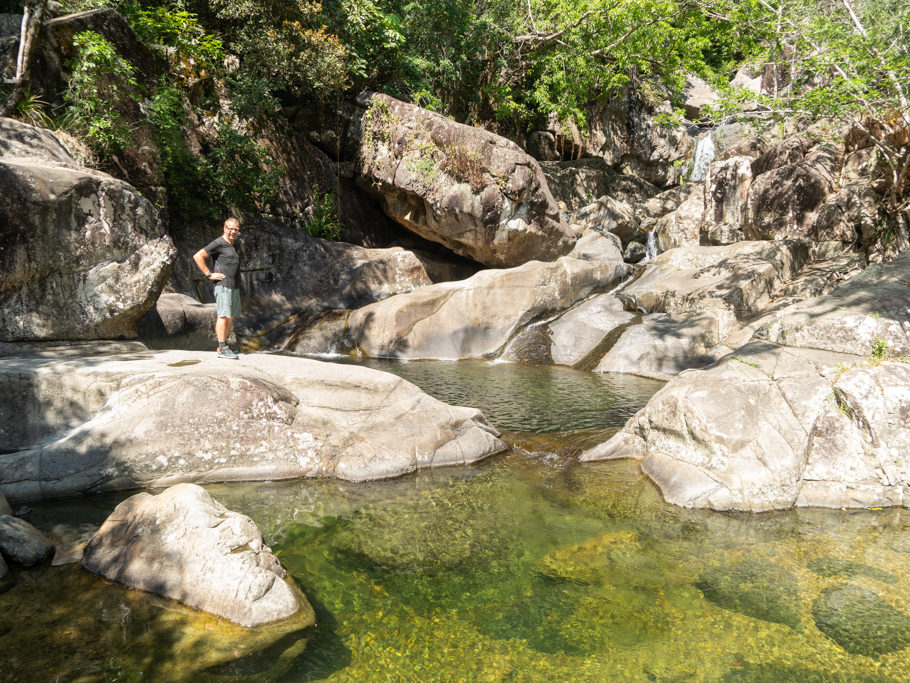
point(227, 301)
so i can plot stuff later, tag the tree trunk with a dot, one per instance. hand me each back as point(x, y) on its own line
point(32, 20)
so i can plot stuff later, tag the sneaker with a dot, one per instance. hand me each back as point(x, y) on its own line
point(225, 352)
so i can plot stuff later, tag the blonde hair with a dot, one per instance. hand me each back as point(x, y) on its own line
point(231, 223)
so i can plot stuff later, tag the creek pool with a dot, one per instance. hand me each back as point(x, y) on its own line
point(526, 567)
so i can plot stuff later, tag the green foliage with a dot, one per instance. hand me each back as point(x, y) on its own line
point(182, 169)
point(846, 61)
point(284, 44)
point(324, 222)
point(99, 78)
point(237, 172)
point(879, 351)
point(372, 37)
point(33, 109)
point(179, 29)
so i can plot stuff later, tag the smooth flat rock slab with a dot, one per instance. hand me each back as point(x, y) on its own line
point(186, 546)
point(80, 425)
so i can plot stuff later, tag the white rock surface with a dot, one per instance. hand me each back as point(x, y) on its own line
point(160, 418)
point(186, 546)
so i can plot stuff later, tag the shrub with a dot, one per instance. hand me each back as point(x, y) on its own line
point(99, 77)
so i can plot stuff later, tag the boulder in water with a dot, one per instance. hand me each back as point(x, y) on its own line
point(22, 543)
point(756, 589)
point(860, 621)
point(262, 417)
point(186, 546)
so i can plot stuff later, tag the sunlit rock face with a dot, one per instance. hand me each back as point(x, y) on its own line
point(184, 545)
point(83, 255)
point(156, 419)
point(477, 317)
point(814, 412)
point(736, 281)
point(473, 191)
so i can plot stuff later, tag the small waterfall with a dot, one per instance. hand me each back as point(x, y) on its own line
point(701, 159)
point(651, 247)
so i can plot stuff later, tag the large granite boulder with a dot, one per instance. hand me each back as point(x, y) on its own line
point(477, 317)
point(682, 226)
point(784, 202)
point(869, 309)
point(22, 543)
point(580, 331)
point(476, 193)
point(734, 436)
point(611, 215)
point(822, 421)
point(186, 546)
point(726, 195)
point(858, 445)
point(159, 418)
point(736, 280)
point(594, 245)
point(139, 163)
point(84, 255)
point(664, 345)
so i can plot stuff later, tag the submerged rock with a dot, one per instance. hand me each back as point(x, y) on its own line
point(441, 529)
point(22, 543)
point(186, 546)
point(757, 590)
point(830, 566)
point(176, 416)
point(860, 621)
point(589, 562)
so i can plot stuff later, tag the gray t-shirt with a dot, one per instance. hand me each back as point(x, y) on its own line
point(226, 259)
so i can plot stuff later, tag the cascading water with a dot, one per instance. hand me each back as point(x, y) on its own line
point(701, 159)
point(651, 247)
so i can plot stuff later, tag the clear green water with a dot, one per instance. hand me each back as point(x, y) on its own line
point(528, 567)
point(529, 398)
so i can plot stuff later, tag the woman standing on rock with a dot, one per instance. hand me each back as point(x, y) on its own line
point(225, 273)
